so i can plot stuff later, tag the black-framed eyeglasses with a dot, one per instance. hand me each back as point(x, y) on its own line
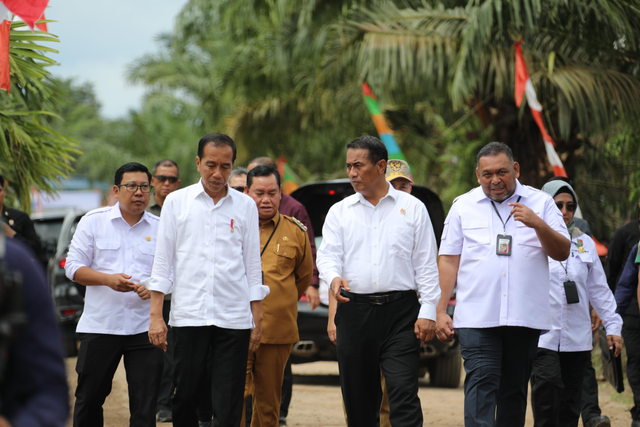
point(570, 206)
point(132, 188)
point(163, 178)
point(239, 188)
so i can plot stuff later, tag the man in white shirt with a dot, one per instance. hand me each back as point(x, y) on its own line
point(494, 247)
point(111, 253)
point(378, 251)
point(209, 236)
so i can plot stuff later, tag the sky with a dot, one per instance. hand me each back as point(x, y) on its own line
point(98, 39)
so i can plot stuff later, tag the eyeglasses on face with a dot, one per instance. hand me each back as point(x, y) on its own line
point(239, 188)
point(163, 178)
point(570, 206)
point(132, 188)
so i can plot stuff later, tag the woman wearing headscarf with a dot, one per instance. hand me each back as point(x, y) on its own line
point(558, 369)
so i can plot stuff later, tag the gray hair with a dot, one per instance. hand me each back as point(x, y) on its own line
point(238, 171)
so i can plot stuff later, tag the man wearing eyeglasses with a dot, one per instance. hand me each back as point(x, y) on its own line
point(164, 182)
point(112, 251)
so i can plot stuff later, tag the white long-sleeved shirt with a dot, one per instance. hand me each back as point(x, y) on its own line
point(105, 242)
point(214, 251)
point(387, 247)
point(494, 290)
point(571, 323)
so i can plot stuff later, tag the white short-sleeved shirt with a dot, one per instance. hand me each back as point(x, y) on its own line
point(495, 290)
point(106, 243)
point(387, 247)
point(571, 323)
point(214, 253)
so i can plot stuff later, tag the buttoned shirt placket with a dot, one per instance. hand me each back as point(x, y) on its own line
point(129, 262)
point(212, 238)
point(504, 267)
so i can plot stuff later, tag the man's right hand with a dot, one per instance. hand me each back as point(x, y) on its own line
point(444, 327)
point(331, 331)
point(120, 282)
point(158, 332)
point(337, 284)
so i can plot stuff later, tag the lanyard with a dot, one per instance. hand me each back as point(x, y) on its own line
point(272, 233)
point(566, 268)
point(504, 223)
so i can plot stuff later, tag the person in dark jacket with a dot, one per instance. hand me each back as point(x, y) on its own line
point(627, 301)
point(17, 224)
point(33, 391)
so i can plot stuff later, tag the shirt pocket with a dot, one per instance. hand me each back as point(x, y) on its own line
point(477, 238)
point(144, 257)
point(527, 241)
point(581, 263)
point(401, 241)
point(106, 252)
point(285, 258)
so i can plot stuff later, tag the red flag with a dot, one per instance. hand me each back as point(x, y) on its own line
point(43, 26)
point(524, 86)
point(5, 75)
point(29, 10)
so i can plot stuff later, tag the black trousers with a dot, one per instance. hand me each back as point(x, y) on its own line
point(498, 364)
point(166, 383)
point(374, 336)
point(229, 349)
point(590, 407)
point(556, 387)
point(631, 336)
point(98, 360)
point(204, 410)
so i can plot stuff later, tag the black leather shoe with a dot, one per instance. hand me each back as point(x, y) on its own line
point(282, 421)
point(164, 416)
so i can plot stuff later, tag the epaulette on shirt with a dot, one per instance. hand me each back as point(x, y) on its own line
point(462, 195)
point(297, 222)
point(99, 210)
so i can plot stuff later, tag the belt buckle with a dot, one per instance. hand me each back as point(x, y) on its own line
point(378, 299)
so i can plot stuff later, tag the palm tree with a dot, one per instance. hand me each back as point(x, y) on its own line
point(31, 152)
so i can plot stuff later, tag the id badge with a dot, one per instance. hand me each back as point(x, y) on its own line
point(571, 292)
point(503, 245)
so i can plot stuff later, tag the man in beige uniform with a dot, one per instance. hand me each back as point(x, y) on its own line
point(287, 267)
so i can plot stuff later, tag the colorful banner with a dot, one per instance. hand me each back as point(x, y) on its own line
point(385, 132)
point(287, 176)
point(524, 86)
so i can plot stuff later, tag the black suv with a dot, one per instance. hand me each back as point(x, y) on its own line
point(441, 360)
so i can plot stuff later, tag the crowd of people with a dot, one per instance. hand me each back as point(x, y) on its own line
point(197, 290)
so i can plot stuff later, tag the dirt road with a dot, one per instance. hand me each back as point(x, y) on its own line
point(317, 400)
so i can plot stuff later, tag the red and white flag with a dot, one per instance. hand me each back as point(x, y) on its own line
point(29, 10)
point(5, 34)
point(524, 85)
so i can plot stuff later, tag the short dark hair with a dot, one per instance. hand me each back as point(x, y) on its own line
point(376, 148)
point(263, 161)
point(217, 139)
point(165, 162)
point(262, 171)
point(130, 167)
point(493, 149)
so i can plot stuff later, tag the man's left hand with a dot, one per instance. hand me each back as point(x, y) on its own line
point(525, 215)
point(254, 341)
point(313, 297)
point(425, 330)
point(8, 231)
point(615, 341)
point(596, 322)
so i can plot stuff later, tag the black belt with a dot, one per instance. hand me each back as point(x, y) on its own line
point(379, 298)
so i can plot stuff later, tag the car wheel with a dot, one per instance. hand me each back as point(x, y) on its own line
point(70, 346)
point(444, 371)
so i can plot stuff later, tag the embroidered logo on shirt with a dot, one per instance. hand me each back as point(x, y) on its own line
point(148, 238)
point(580, 246)
point(285, 238)
point(402, 211)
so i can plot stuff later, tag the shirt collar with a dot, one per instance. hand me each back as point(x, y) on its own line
point(275, 218)
point(391, 193)
point(521, 191)
point(198, 189)
point(117, 213)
